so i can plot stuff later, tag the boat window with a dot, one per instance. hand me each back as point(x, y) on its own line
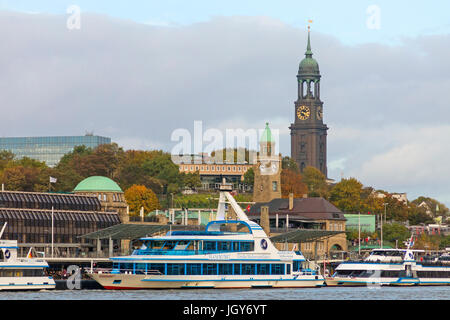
point(248, 268)
point(210, 268)
point(209, 245)
point(194, 268)
point(247, 246)
point(264, 268)
point(277, 268)
point(224, 245)
point(225, 268)
point(183, 244)
point(170, 244)
point(156, 244)
point(175, 268)
point(156, 268)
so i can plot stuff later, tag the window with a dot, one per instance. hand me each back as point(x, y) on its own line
point(194, 269)
point(175, 268)
point(274, 186)
point(225, 268)
point(224, 246)
point(263, 268)
point(247, 246)
point(209, 245)
point(248, 268)
point(209, 268)
point(277, 268)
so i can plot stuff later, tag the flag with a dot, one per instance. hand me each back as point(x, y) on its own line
point(248, 208)
point(53, 180)
point(29, 254)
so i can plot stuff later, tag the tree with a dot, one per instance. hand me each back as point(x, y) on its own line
point(346, 195)
point(289, 163)
point(291, 182)
point(191, 180)
point(395, 231)
point(138, 196)
point(316, 182)
point(249, 177)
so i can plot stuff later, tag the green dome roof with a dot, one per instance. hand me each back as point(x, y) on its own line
point(267, 134)
point(308, 66)
point(98, 183)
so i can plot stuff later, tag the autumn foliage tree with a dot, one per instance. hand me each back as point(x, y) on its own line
point(291, 182)
point(138, 196)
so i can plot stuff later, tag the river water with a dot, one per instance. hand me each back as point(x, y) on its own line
point(325, 293)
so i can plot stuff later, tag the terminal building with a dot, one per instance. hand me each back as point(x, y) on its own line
point(46, 220)
point(49, 149)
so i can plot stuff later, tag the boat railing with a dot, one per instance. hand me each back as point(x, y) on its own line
point(126, 271)
point(179, 252)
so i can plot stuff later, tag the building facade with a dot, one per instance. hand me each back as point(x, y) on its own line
point(267, 170)
point(308, 132)
point(212, 174)
point(46, 220)
point(49, 149)
point(305, 214)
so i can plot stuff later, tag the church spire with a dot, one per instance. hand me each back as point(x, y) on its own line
point(308, 52)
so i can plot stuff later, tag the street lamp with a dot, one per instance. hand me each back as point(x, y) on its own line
point(385, 204)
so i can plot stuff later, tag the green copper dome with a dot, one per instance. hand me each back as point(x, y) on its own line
point(308, 66)
point(267, 134)
point(97, 183)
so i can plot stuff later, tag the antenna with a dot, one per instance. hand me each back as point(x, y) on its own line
point(3, 229)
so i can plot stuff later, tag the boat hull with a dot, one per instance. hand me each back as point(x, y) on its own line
point(26, 283)
point(129, 281)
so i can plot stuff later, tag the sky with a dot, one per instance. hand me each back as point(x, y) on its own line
point(137, 71)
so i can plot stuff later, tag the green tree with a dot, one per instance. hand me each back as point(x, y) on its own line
point(249, 177)
point(346, 195)
point(395, 231)
point(191, 180)
point(316, 182)
point(289, 163)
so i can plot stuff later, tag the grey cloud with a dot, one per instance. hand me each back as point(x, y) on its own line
point(137, 83)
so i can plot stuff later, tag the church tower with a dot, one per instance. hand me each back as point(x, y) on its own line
point(308, 132)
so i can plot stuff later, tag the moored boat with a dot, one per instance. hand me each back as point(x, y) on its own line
point(392, 267)
point(228, 254)
point(21, 273)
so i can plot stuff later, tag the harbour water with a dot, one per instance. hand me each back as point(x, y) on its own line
point(330, 293)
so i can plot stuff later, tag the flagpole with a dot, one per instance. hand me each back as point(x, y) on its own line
point(52, 231)
point(359, 233)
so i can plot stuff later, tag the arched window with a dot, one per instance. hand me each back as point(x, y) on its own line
point(302, 166)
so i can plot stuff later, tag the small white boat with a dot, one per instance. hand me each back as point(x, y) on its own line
point(21, 273)
point(219, 257)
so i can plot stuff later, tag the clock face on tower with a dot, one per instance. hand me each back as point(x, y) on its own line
point(319, 113)
point(303, 112)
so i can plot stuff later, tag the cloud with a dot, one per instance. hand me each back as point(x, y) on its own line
point(137, 83)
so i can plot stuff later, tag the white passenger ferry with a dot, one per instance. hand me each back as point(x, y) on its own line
point(21, 273)
point(218, 257)
point(392, 267)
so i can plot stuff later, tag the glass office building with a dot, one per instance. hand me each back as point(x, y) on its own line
point(49, 149)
